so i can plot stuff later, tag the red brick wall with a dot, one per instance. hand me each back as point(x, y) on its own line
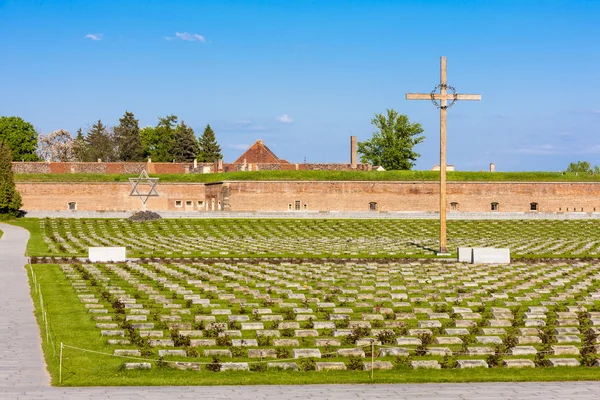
point(414, 196)
point(318, 196)
point(107, 196)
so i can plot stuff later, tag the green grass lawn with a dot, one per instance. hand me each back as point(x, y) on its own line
point(69, 323)
point(322, 176)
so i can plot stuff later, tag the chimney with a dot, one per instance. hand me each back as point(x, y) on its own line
point(492, 167)
point(353, 150)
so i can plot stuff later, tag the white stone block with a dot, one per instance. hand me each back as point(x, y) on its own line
point(465, 254)
point(483, 255)
point(107, 254)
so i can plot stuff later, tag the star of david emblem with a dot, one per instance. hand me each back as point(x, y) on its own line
point(144, 180)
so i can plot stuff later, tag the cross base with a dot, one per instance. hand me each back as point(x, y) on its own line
point(443, 254)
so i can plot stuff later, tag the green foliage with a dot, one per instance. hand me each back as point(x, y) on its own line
point(99, 143)
point(307, 364)
point(283, 352)
point(215, 365)
point(403, 361)
point(21, 138)
point(186, 147)
point(79, 147)
point(10, 199)
point(355, 363)
point(582, 167)
point(150, 140)
point(164, 135)
point(258, 367)
point(392, 145)
point(127, 138)
point(210, 151)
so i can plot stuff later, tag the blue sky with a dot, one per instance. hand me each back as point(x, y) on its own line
point(305, 75)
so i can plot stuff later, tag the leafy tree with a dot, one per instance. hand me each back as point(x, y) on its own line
point(99, 143)
point(186, 146)
point(79, 147)
point(56, 146)
point(127, 138)
point(10, 200)
point(582, 167)
point(210, 151)
point(392, 146)
point(149, 140)
point(164, 139)
point(21, 137)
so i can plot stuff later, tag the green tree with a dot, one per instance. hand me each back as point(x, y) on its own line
point(149, 140)
point(10, 199)
point(99, 143)
point(164, 139)
point(210, 151)
point(79, 147)
point(582, 167)
point(392, 145)
point(186, 146)
point(127, 138)
point(21, 138)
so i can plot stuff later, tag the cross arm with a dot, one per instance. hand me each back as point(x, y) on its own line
point(439, 96)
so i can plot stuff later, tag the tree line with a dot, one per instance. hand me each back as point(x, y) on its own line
point(170, 140)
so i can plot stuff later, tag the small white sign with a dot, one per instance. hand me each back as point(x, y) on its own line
point(107, 254)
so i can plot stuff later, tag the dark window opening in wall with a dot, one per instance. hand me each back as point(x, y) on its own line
point(559, 208)
point(454, 206)
point(297, 205)
point(582, 209)
point(305, 206)
point(72, 206)
point(567, 208)
point(188, 203)
point(533, 206)
point(178, 203)
point(290, 206)
point(373, 206)
point(200, 203)
point(494, 206)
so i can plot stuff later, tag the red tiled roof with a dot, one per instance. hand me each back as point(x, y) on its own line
point(258, 153)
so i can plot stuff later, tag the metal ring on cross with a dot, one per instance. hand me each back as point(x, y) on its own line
point(448, 88)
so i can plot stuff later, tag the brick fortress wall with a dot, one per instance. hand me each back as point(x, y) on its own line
point(317, 196)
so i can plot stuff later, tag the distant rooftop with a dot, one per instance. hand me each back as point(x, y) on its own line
point(259, 153)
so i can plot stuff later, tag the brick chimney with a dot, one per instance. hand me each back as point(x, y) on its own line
point(353, 152)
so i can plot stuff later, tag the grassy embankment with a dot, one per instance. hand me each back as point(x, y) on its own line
point(322, 176)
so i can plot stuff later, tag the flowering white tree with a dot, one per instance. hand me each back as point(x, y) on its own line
point(56, 146)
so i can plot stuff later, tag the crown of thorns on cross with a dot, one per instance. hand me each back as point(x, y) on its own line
point(451, 89)
point(145, 180)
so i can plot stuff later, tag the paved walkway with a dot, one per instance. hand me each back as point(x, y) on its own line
point(23, 374)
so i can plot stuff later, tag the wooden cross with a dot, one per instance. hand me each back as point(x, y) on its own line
point(440, 100)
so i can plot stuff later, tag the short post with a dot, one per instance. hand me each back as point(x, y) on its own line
point(41, 301)
point(372, 358)
point(60, 364)
point(46, 322)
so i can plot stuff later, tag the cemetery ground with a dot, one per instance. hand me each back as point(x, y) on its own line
point(216, 302)
point(314, 238)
